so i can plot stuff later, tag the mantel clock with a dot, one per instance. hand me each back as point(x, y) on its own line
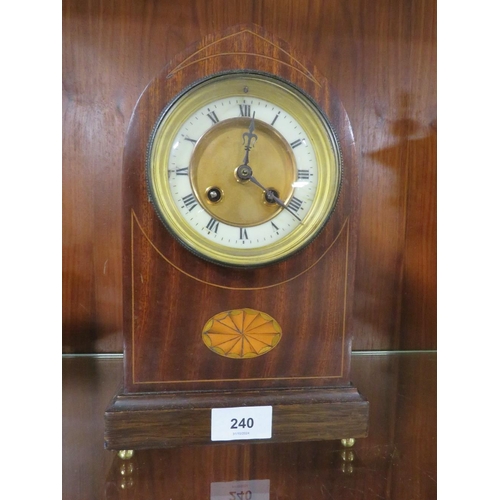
point(239, 227)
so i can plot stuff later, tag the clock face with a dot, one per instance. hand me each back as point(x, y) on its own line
point(243, 169)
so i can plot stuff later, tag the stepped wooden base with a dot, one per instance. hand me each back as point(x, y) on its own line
point(163, 420)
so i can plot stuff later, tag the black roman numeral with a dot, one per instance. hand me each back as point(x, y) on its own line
point(275, 118)
point(294, 204)
point(190, 140)
point(296, 143)
point(244, 109)
point(213, 117)
point(213, 225)
point(190, 201)
point(181, 171)
point(243, 234)
point(303, 174)
point(275, 227)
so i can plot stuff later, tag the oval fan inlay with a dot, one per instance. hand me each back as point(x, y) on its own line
point(241, 333)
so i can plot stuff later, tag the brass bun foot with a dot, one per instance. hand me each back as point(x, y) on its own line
point(348, 442)
point(126, 454)
point(347, 455)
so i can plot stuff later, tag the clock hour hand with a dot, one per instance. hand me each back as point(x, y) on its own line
point(248, 137)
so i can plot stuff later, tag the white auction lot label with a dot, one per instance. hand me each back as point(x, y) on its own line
point(244, 422)
point(253, 489)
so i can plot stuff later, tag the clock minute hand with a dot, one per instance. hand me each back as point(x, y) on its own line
point(270, 194)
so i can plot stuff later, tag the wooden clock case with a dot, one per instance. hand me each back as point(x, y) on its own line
point(171, 379)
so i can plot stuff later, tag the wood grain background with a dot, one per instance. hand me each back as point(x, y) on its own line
point(379, 56)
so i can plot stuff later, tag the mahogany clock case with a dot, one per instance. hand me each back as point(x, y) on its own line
point(171, 379)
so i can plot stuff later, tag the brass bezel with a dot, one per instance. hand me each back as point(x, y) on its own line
point(293, 101)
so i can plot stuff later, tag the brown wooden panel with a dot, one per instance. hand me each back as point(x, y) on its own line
point(379, 56)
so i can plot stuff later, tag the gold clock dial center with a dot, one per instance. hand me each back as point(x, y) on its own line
point(217, 155)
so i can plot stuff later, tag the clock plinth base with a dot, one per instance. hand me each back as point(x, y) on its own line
point(163, 420)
